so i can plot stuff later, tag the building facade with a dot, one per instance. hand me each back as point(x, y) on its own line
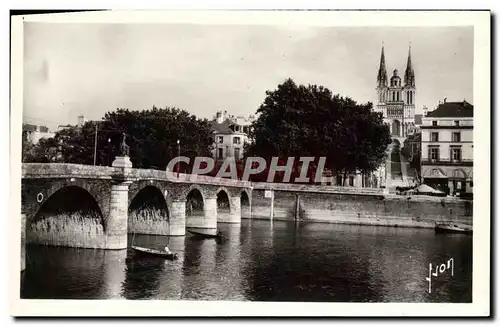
point(447, 148)
point(230, 135)
point(33, 133)
point(396, 99)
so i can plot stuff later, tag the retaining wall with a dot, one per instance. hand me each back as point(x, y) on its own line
point(320, 204)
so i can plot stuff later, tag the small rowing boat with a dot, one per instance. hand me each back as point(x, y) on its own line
point(452, 228)
point(217, 235)
point(155, 252)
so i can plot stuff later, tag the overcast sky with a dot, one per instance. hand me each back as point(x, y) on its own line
point(95, 68)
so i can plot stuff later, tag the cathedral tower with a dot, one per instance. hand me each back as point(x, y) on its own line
point(396, 100)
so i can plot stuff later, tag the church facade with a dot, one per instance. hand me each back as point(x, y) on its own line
point(396, 98)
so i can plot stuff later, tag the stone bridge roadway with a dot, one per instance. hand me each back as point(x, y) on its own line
point(95, 207)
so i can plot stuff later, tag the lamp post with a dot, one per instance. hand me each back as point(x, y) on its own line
point(109, 145)
point(95, 143)
point(178, 155)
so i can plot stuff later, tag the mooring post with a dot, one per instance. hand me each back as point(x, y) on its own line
point(272, 204)
point(297, 207)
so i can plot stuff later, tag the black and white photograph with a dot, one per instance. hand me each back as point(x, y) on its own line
point(187, 161)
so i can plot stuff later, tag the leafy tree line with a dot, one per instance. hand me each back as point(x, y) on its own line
point(151, 135)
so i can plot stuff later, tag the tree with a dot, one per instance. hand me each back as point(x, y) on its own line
point(297, 120)
point(152, 135)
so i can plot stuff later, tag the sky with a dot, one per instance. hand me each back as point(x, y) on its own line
point(90, 69)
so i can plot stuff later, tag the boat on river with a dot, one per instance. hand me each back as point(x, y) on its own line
point(155, 252)
point(217, 235)
point(452, 228)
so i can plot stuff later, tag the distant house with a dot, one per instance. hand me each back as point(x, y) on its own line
point(33, 133)
point(230, 135)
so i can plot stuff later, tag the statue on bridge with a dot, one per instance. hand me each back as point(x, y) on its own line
point(124, 148)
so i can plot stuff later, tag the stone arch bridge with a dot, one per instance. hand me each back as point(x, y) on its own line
point(95, 207)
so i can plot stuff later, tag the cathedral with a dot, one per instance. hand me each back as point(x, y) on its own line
point(396, 101)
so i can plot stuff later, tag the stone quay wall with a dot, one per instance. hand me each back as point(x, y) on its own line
point(359, 206)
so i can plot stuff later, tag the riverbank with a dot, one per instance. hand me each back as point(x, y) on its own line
point(364, 206)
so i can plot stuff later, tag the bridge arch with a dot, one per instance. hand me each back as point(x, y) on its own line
point(195, 206)
point(70, 216)
point(148, 211)
point(223, 205)
point(245, 198)
point(245, 202)
point(192, 188)
point(222, 193)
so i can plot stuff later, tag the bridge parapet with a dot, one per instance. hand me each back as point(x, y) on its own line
point(67, 170)
point(203, 179)
point(318, 188)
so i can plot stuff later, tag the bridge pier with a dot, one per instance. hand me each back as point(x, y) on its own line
point(116, 223)
point(210, 210)
point(235, 214)
point(178, 218)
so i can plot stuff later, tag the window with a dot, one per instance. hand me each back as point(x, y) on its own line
point(351, 181)
point(456, 122)
point(456, 154)
point(220, 153)
point(339, 180)
point(237, 153)
point(220, 139)
point(456, 136)
point(236, 140)
point(434, 153)
point(434, 136)
point(434, 123)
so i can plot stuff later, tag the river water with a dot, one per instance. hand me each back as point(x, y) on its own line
point(263, 261)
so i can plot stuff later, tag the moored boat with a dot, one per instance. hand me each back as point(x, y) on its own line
point(217, 235)
point(452, 228)
point(155, 252)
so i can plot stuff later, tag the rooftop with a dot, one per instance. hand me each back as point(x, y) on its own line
point(30, 128)
point(222, 128)
point(453, 110)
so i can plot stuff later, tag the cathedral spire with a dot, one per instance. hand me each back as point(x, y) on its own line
point(409, 73)
point(382, 71)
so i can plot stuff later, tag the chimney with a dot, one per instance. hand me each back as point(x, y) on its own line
point(444, 100)
point(424, 109)
point(220, 117)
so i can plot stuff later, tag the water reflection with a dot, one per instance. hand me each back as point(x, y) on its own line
point(264, 261)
